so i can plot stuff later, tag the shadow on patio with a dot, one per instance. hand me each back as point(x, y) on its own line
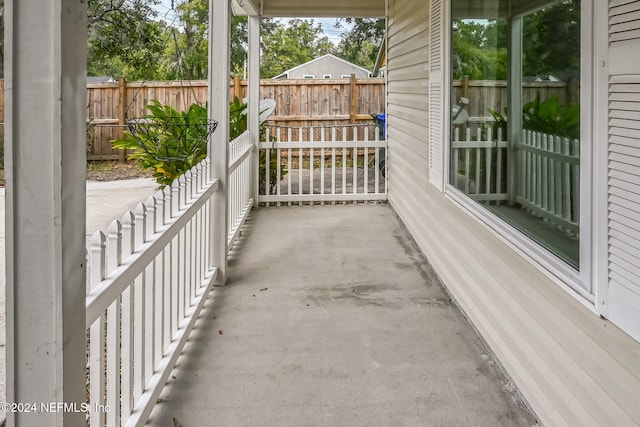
point(331, 316)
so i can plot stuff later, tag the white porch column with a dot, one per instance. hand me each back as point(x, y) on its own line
point(45, 96)
point(514, 104)
point(254, 100)
point(217, 150)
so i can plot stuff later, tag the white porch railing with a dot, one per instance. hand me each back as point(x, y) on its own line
point(322, 164)
point(549, 182)
point(149, 279)
point(547, 169)
point(240, 201)
point(478, 164)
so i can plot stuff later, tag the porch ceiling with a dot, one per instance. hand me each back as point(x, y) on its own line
point(312, 8)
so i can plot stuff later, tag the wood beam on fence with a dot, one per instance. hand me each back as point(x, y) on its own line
point(236, 87)
point(122, 116)
point(354, 98)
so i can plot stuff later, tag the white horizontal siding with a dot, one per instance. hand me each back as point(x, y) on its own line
point(622, 301)
point(573, 367)
point(408, 87)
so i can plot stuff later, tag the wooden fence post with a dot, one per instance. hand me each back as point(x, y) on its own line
point(122, 119)
point(236, 87)
point(354, 99)
point(465, 87)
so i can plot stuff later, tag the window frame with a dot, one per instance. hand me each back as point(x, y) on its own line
point(579, 283)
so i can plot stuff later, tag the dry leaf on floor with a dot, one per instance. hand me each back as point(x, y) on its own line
point(176, 423)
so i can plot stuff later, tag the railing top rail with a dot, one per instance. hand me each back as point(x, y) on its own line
point(378, 143)
point(345, 125)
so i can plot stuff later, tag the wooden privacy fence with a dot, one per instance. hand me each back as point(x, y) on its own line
point(494, 94)
point(298, 102)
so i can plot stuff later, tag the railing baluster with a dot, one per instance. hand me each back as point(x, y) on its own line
point(300, 165)
point(267, 172)
point(566, 146)
point(188, 194)
point(333, 162)
point(552, 175)
point(128, 295)
point(344, 163)
point(365, 183)
point(529, 167)
point(499, 162)
point(478, 151)
point(467, 163)
point(544, 202)
point(97, 335)
point(139, 308)
point(322, 165)
point(289, 169)
point(278, 172)
point(455, 170)
point(311, 160)
point(576, 183)
point(488, 163)
point(169, 280)
point(114, 259)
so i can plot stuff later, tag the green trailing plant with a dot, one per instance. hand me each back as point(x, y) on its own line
point(167, 141)
point(237, 126)
point(552, 117)
point(548, 116)
point(170, 142)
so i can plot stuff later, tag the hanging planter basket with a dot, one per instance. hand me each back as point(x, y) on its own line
point(168, 141)
point(172, 138)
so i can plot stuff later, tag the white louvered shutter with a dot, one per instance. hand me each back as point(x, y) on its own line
point(436, 94)
point(622, 301)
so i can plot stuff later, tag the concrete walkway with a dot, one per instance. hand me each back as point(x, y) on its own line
point(331, 317)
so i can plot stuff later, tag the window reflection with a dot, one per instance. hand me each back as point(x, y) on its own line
point(524, 170)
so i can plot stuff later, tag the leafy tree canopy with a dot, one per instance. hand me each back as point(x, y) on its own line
point(361, 43)
point(287, 46)
point(551, 45)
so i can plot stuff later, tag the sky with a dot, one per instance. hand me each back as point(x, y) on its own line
point(331, 32)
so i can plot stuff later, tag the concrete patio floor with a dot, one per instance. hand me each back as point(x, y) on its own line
point(332, 317)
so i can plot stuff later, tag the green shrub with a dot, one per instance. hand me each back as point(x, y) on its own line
point(167, 141)
point(171, 142)
point(237, 126)
point(548, 116)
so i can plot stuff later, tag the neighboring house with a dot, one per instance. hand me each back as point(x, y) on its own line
point(325, 67)
point(100, 79)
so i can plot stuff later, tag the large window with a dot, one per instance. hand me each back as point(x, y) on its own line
point(515, 116)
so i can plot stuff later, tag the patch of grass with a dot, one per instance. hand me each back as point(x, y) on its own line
point(101, 166)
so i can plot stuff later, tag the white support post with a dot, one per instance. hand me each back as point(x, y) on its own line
point(514, 113)
point(217, 150)
point(254, 102)
point(45, 96)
